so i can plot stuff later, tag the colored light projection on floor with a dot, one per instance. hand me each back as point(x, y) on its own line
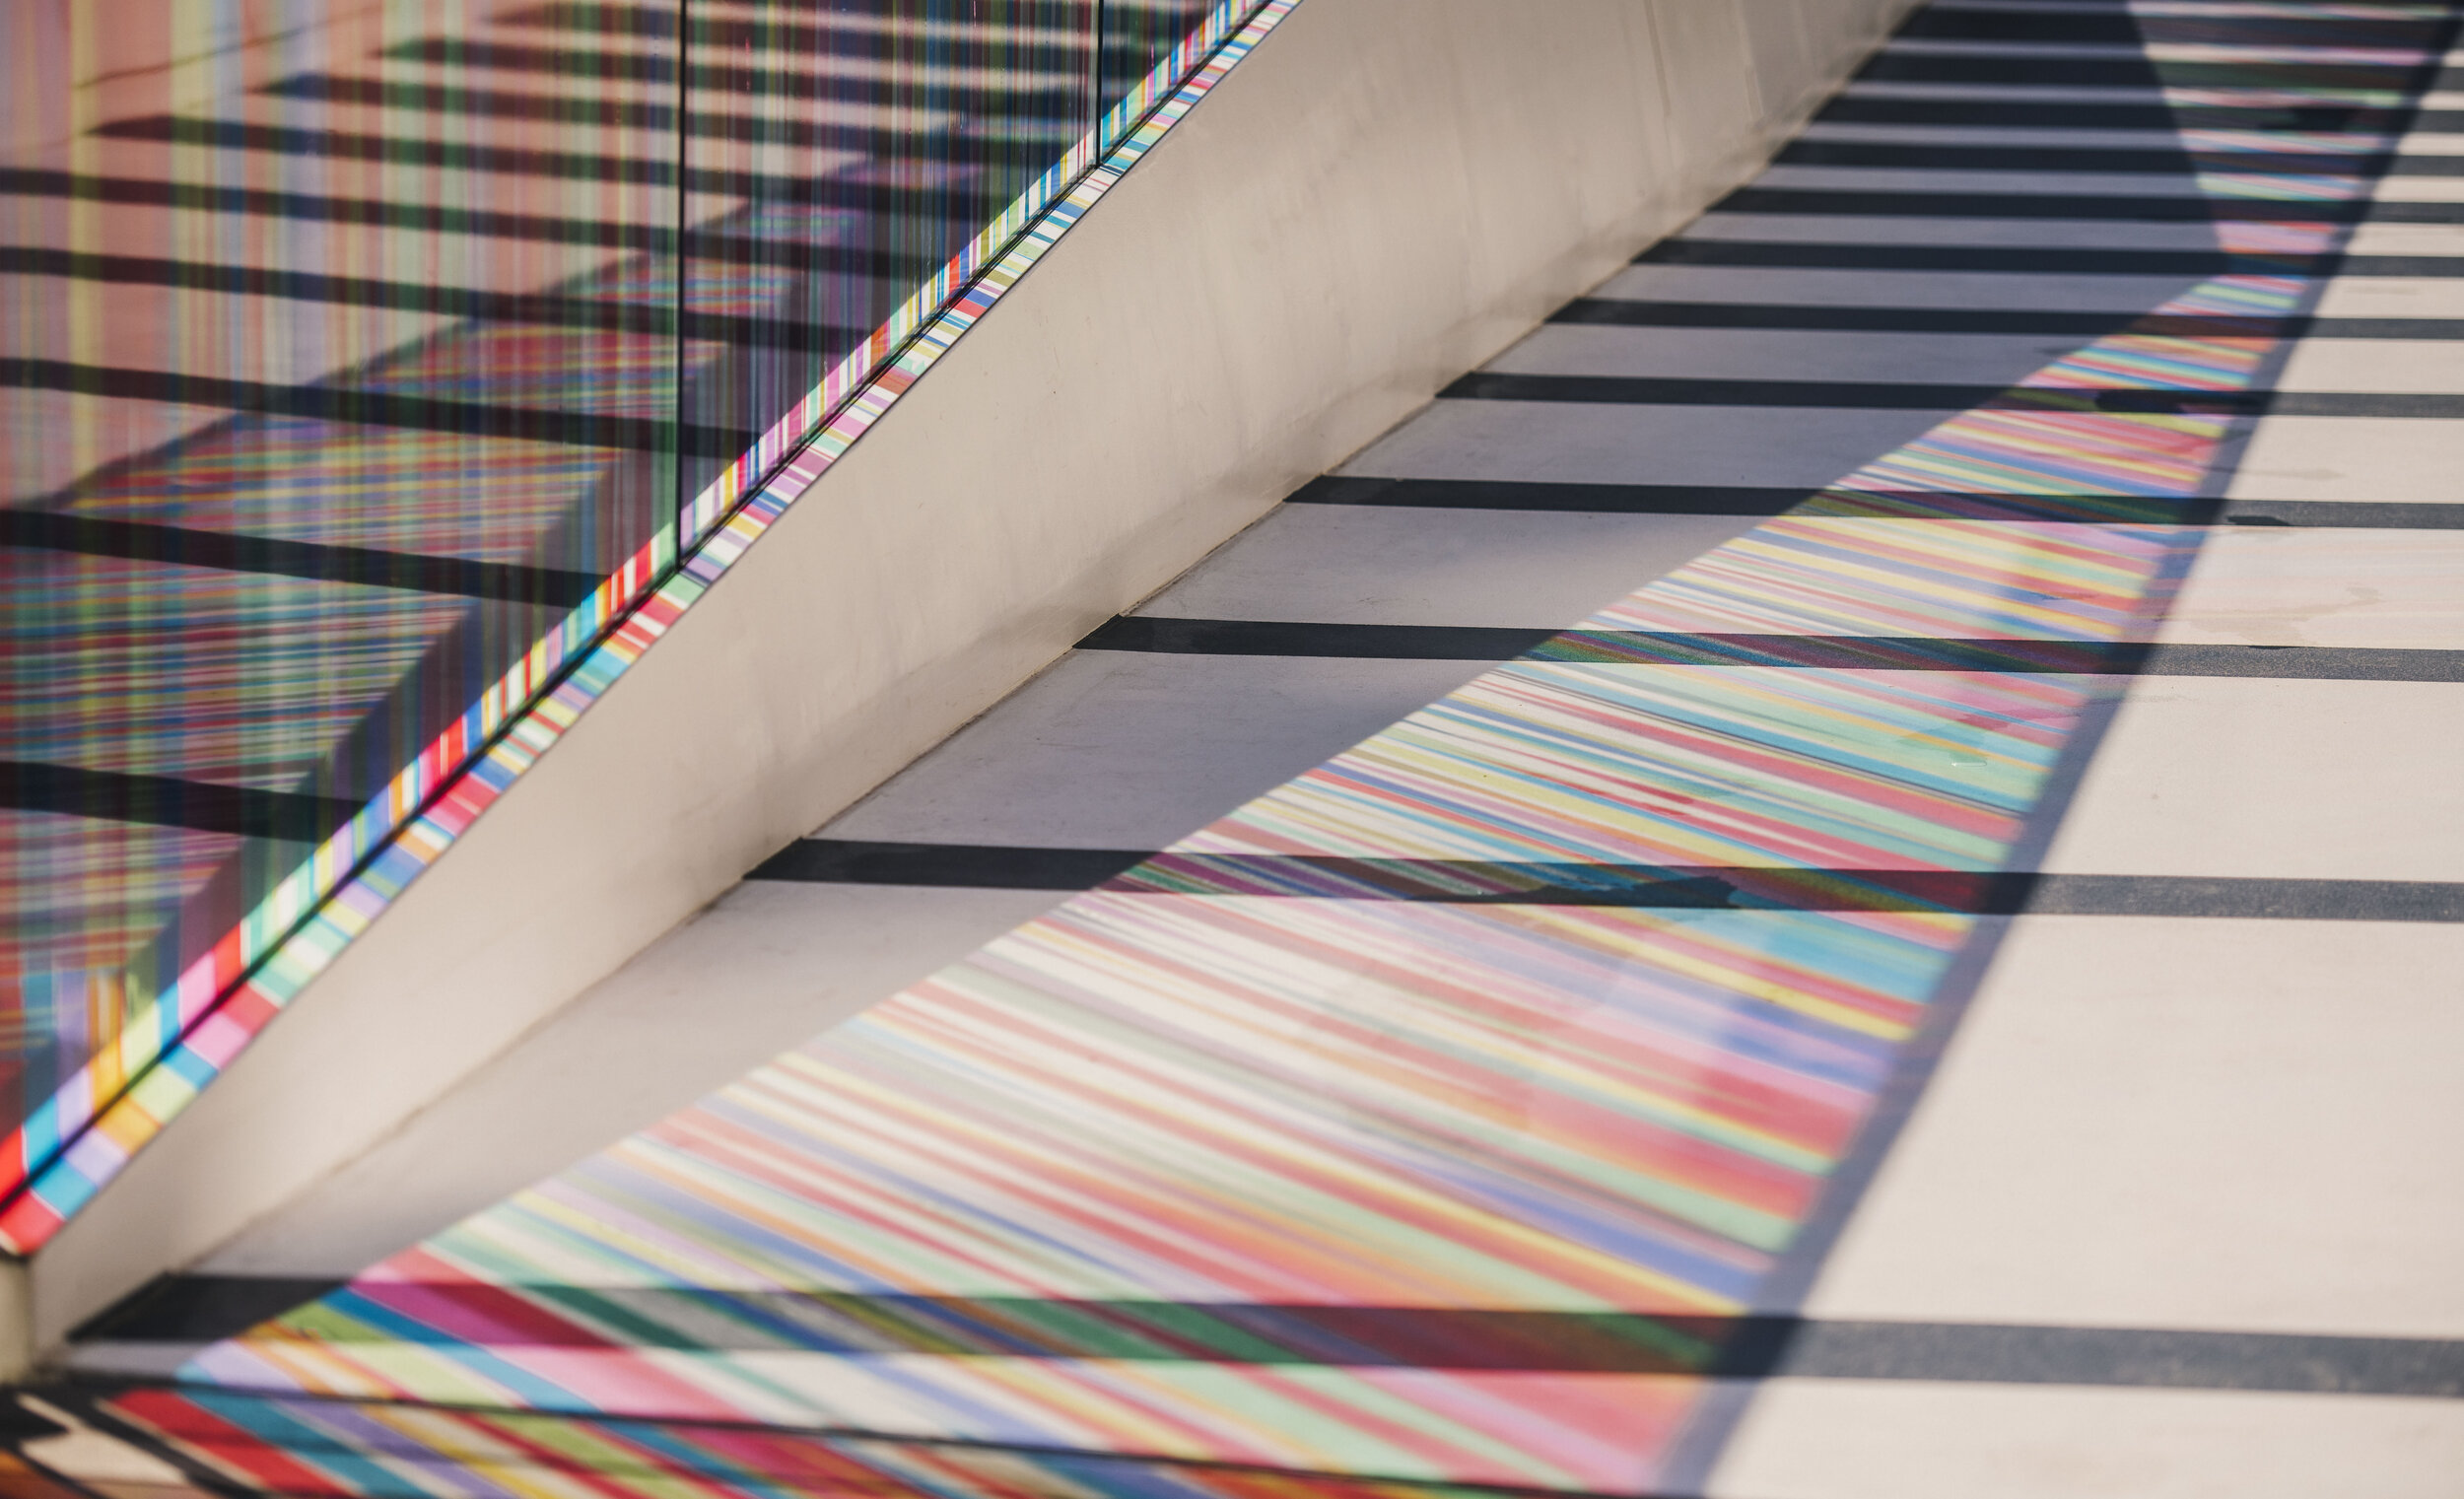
point(1089, 1188)
point(224, 679)
point(1245, 1161)
point(311, 1447)
point(1205, 1167)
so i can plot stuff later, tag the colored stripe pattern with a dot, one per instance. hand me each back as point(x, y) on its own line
point(1089, 1191)
point(1202, 1100)
point(151, 1056)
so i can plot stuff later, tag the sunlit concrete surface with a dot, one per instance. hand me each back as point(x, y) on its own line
point(2231, 1126)
point(1919, 1440)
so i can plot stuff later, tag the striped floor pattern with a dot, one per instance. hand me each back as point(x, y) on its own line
point(1925, 964)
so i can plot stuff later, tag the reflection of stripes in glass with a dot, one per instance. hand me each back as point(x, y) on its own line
point(168, 1046)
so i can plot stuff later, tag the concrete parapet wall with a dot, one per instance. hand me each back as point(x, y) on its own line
point(1383, 195)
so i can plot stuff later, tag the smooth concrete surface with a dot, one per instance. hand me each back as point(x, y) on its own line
point(1573, 443)
point(1818, 287)
point(2364, 458)
point(2119, 137)
point(2393, 297)
point(2274, 779)
point(2407, 366)
point(1380, 565)
point(1917, 1440)
point(2411, 189)
point(1783, 354)
point(1125, 750)
point(1351, 218)
point(2005, 234)
point(2377, 237)
point(2041, 183)
point(2267, 586)
point(2182, 1123)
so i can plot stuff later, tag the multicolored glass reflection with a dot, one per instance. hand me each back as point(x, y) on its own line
point(367, 367)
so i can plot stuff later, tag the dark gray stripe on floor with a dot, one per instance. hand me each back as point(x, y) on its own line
point(2019, 66)
point(1594, 499)
point(1217, 637)
point(1954, 202)
point(2363, 515)
point(2058, 201)
point(2002, 27)
point(1749, 499)
point(979, 867)
point(2000, 109)
point(1900, 395)
point(1838, 653)
point(2137, 1358)
point(2019, 161)
point(201, 1309)
point(1629, 313)
point(2195, 264)
point(853, 861)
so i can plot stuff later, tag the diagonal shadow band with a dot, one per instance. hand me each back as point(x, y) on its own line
point(185, 1309)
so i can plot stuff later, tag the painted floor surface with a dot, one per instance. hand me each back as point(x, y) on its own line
point(1838, 876)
